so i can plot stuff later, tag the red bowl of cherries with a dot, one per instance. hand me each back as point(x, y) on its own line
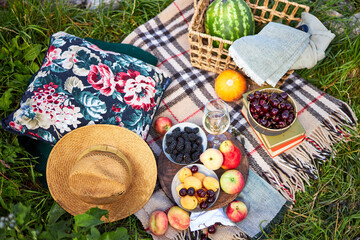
point(271, 111)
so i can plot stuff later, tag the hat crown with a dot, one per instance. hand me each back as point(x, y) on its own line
point(101, 175)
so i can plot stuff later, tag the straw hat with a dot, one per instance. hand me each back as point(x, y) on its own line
point(101, 165)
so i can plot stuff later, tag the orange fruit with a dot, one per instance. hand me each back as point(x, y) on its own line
point(230, 85)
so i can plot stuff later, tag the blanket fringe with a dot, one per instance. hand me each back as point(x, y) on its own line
point(315, 149)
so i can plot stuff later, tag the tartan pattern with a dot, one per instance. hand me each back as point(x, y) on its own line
point(324, 117)
point(165, 36)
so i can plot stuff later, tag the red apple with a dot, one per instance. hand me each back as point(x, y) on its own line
point(236, 211)
point(162, 124)
point(212, 158)
point(232, 181)
point(231, 153)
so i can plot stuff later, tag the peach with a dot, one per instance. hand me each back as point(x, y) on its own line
point(178, 218)
point(199, 176)
point(184, 173)
point(180, 186)
point(232, 181)
point(192, 182)
point(189, 202)
point(211, 183)
point(158, 223)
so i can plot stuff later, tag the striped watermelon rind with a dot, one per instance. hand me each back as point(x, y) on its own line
point(229, 19)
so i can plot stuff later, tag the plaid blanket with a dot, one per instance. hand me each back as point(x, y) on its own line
point(326, 119)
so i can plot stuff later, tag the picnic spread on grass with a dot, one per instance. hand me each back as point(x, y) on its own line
point(217, 116)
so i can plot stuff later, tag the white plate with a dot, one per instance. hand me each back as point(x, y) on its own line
point(175, 182)
point(182, 126)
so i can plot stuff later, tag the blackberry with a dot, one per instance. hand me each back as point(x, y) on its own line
point(198, 140)
point(176, 134)
point(175, 152)
point(179, 158)
point(187, 158)
point(168, 150)
point(171, 147)
point(187, 148)
point(188, 129)
point(195, 130)
point(194, 147)
point(185, 135)
point(173, 156)
point(177, 129)
point(192, 136)
point(195, 156)
point(180, 144)
point(169, 139)
point(200, 149)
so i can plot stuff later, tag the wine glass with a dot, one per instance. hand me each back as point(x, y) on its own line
point(216, 121)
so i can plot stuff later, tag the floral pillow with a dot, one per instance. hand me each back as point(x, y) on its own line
point(79, 84)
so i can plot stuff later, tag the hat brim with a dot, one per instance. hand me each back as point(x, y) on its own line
point(64, 155)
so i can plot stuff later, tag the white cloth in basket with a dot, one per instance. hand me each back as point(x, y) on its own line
point(268, 55)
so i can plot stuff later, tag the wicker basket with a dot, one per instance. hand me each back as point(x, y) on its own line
point(202, 53)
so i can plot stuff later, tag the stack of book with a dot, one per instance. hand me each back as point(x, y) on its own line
point(280, 143)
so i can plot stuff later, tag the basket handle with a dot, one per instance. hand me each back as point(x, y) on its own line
point(195, 4)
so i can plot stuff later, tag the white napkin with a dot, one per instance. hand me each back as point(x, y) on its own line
point(200, 220)
point(319, 40)
point(268, 55)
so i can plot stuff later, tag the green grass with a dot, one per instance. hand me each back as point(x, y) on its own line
point(328, 209)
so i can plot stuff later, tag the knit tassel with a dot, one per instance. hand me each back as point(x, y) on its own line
point(316, 148)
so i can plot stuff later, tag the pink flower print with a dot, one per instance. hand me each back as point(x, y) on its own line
point(16, 126)
point(102, 79)
point(52, 54)
point(139, 90)
point(114, 108)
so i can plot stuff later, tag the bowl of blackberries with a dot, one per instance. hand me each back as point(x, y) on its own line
point(271, 111)
point(183, 143)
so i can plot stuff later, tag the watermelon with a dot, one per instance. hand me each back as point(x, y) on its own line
point(229, 19)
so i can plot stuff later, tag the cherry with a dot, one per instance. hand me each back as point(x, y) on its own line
point(194, 169)
point(254, 103)
point(288, 106)
point(265, 96)
point(258, 109)
point(276, 118)
point(201, 193)
point(211, 229)
point(285, 115)
point(283, 95)
point(264, 122)
point(281, 124)
point(191, 191)
point(252, 109)
point(265, 107)
point(262, 102)
point(203, 205)
point(250, 97)
point(183, 192)
point(211, 199)
point(282, 106)
point(211, 193)
point(274, 111)
point(274, 102)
